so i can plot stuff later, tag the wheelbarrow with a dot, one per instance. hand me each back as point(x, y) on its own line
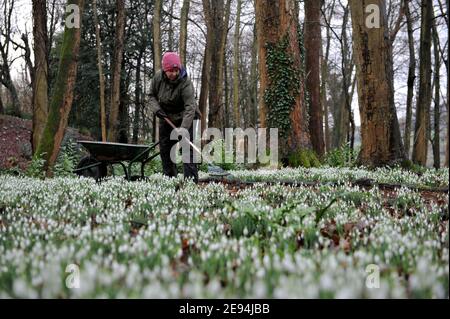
point(104, 154)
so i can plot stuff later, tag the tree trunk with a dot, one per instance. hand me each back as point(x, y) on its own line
point(124, 119)
point(313, 42)
point(40, 73)
point(371, 47)
point(157, 54)
point(170, 42)
point(157, 47)
point(347, 121)
point(2, 108)
point(220, 18)
point(262, 13)
point(448, 132)
point(411, 79)
point(420, 148)
point(437, 115)
point(116, 76)
point(277, 23)
point(204, 91)
point(100, 72)
point(324, 79)
point(5, 67)
point(254, 81)
point(226, 109)
point(137, 102)
point(61, 101)
point(343, 128)
point(237, 116)
point(183, 30)
point(27, 54)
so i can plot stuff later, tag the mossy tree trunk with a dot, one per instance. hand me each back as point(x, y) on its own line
point(40, 78)
point(183, 30)
point(61, 100)
point(281, 85)
point(381, 142)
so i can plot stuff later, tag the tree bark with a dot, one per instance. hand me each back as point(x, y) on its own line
point(324, 79)
point(27, 55)
point(2, 108)
point(343, 129)
point(40, 72)
point(157, 47)
point(5, 70)
point(100, 72)
point(206, 66)
point(420, 148)
point(183, 30)
point(170, 42)
point(437, 116)
point(371, 47)
point(262, 15)
point(254, 81)
point(204, 90)
point(115, 85)
point(237, 116)
point(347, 121)
point(227, 121)
point(275, 21)
point(61, 101)
point(220, 18)
point(313, 42)
point(448, 132)
point(411, 79)
point(157, 54)
point(137, 102)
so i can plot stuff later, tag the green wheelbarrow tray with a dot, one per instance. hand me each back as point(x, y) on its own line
point(102, 154)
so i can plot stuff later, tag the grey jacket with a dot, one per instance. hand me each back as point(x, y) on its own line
point(176, 98)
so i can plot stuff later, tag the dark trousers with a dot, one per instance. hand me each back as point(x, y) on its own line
point(190, 169)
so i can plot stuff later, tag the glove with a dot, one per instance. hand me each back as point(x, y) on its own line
point(161, 114)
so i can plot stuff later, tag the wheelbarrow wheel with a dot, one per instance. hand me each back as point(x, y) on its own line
point(97, 172)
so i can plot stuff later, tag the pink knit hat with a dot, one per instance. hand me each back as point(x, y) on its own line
point(170, 61)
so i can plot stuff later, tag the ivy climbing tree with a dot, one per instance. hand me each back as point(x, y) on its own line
point(284, 78)
point(281, 83)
